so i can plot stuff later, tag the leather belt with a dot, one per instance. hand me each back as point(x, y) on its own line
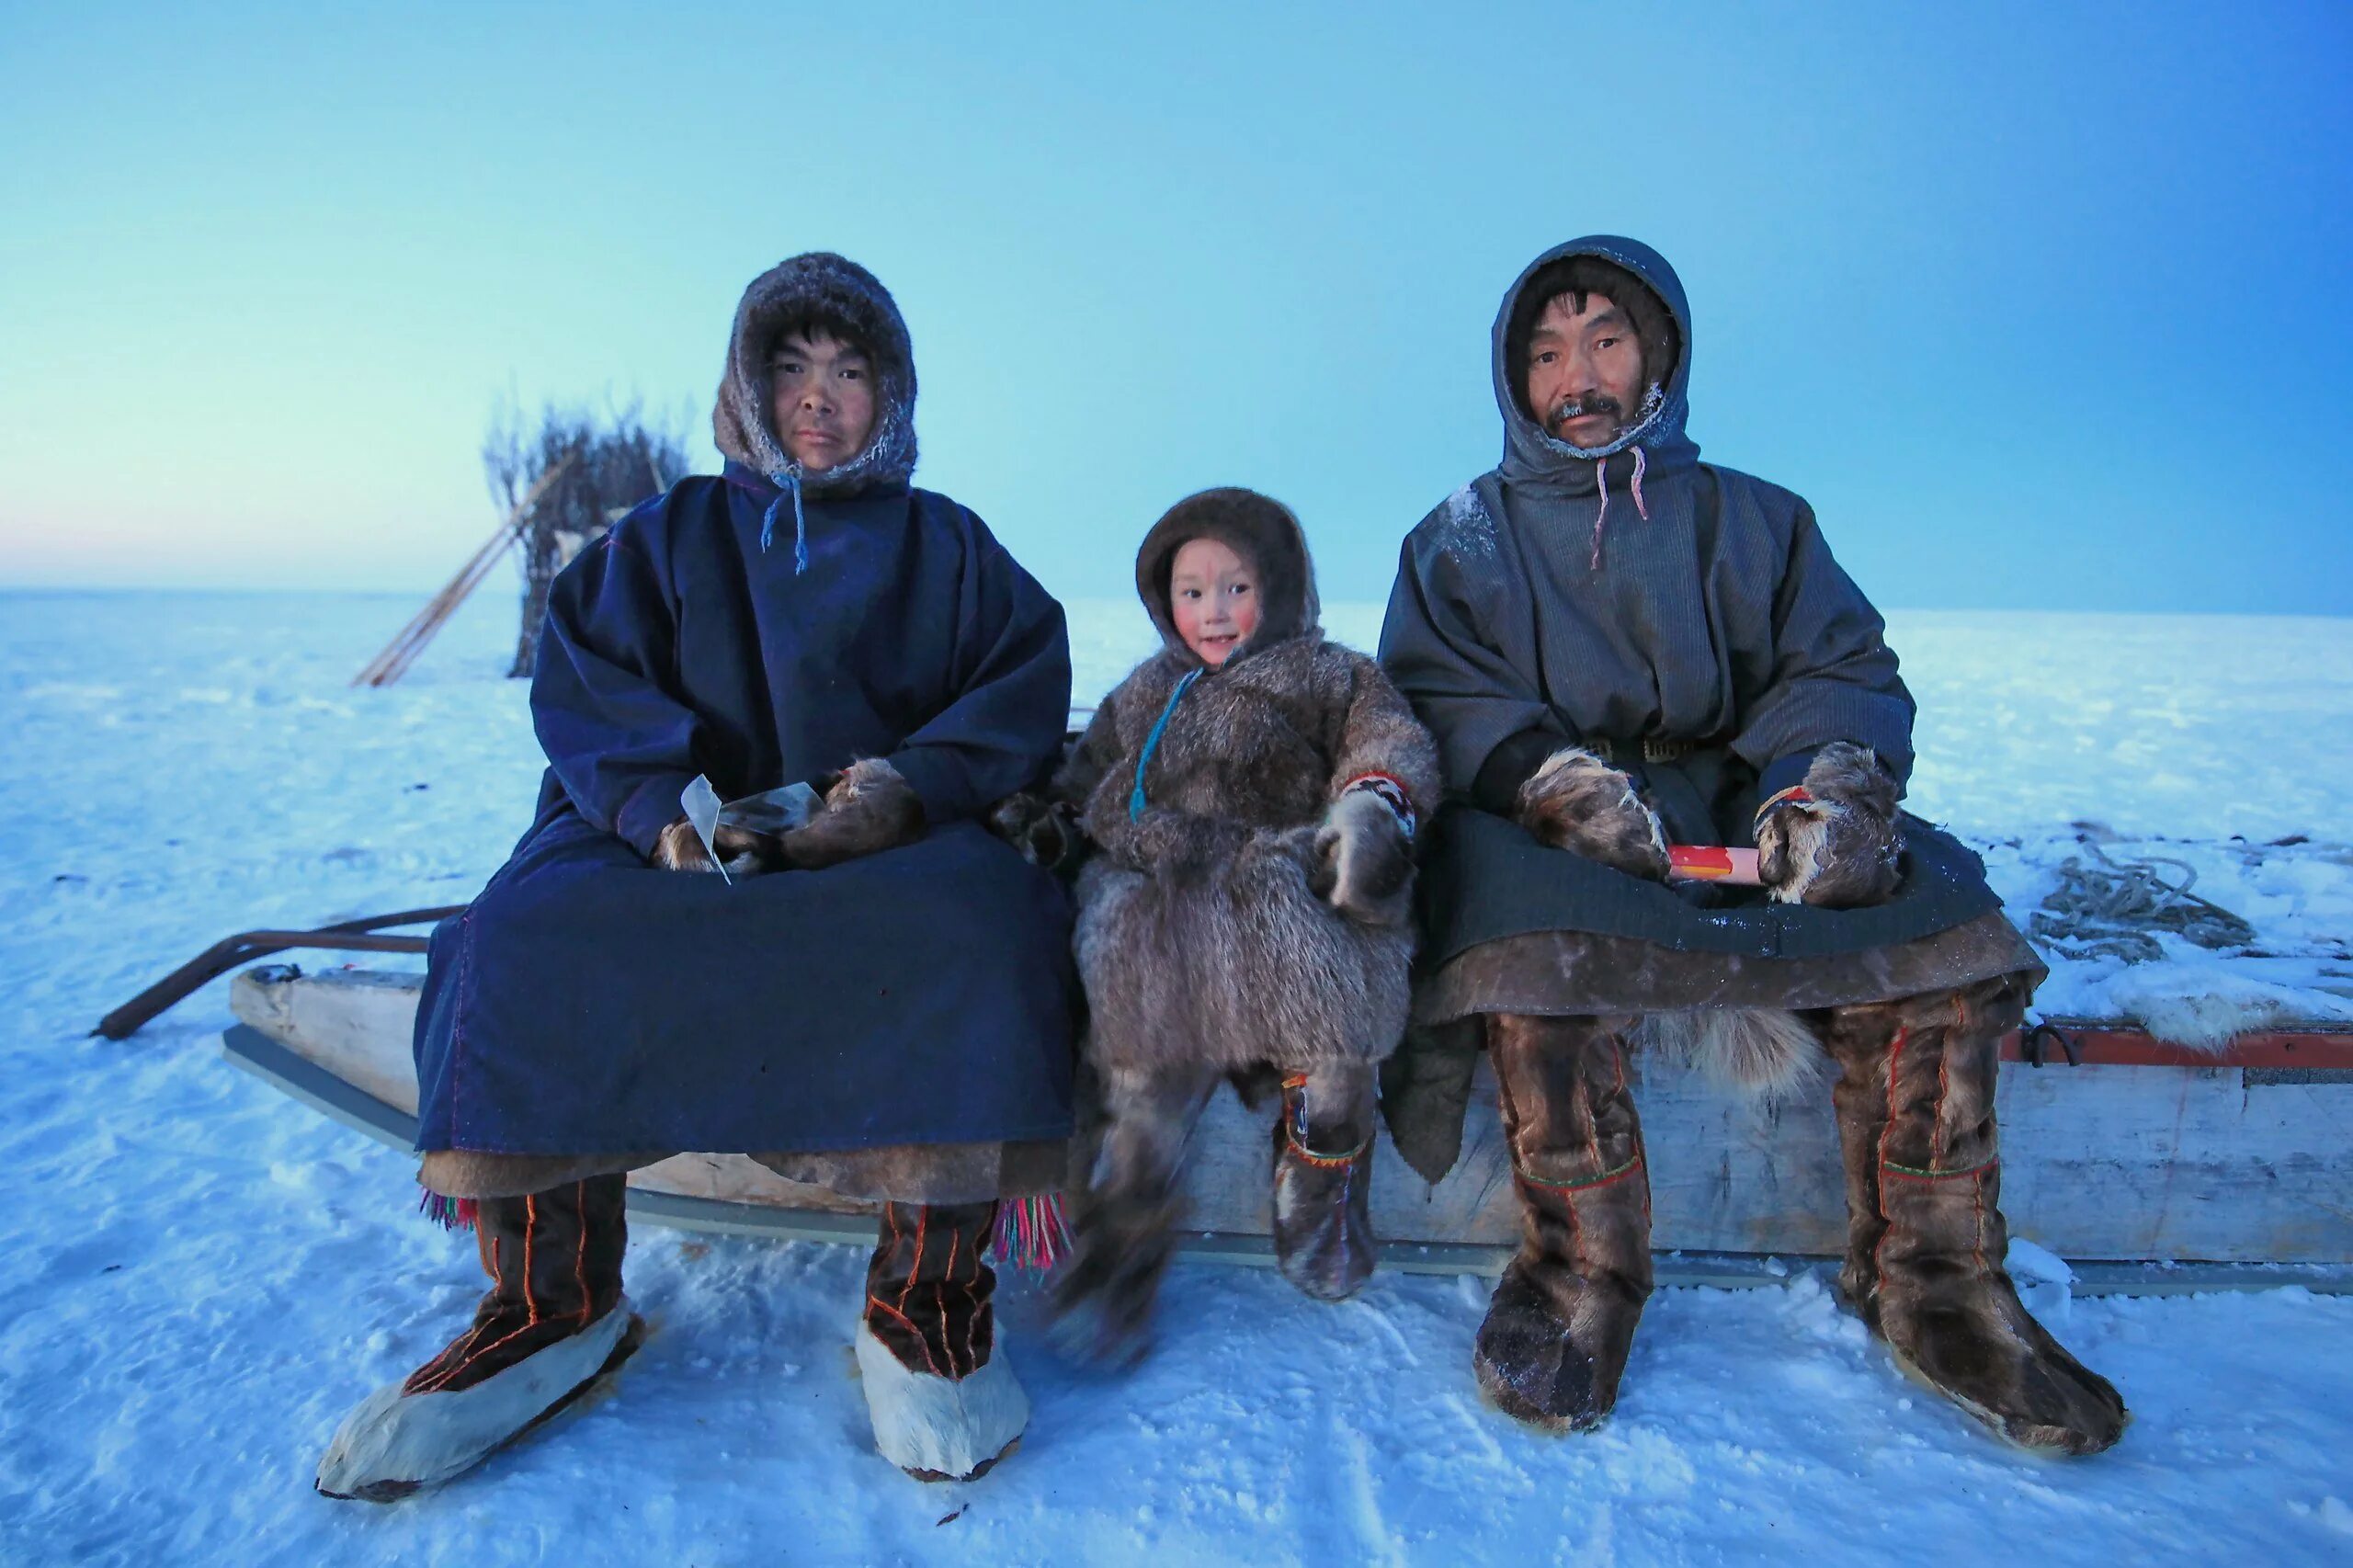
point(1650, 748)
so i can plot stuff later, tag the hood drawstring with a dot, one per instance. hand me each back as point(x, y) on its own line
point(1601, 478)
point(1136, 801)
point(799, 520)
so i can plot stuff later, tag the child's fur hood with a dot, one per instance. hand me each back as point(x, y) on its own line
point(1268, 739)
point(1260, 530)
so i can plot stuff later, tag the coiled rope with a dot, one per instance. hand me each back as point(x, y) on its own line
point(2104, 908)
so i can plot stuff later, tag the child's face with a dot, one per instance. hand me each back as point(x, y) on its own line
point(823, 399)
point(1214, 598)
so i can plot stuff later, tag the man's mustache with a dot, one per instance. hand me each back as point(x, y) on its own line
point(1582, 407)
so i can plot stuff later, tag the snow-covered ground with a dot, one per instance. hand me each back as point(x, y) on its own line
point(196, 1275)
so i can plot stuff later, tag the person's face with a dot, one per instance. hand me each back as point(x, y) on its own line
point(1584, 370)
point(1214, 598)
point(823, 399)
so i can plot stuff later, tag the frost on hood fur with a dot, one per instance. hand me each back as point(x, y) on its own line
point(819, 287)
point(1201, 937)
point(1533, 458)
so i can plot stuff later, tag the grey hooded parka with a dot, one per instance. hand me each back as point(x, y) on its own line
point(1631, 595)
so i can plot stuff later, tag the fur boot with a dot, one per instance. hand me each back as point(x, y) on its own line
point(1324, 1241)
point(943, 1398)
point(1580, 804)
point(1925, 1237)
point(553, 1322)
point(1124, 1216)
point(1562, 1321)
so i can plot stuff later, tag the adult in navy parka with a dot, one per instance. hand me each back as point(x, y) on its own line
point(888, 1012)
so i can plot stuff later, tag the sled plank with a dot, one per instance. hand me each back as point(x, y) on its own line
point(347, 1022)
point(2169, 1163)
point(351, 1029)
point(2188, 1162)
point(275, 1064)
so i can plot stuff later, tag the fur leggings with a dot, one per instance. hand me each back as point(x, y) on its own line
point(1126, 1213)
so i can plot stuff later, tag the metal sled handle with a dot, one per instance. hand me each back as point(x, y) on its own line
point(362, 936)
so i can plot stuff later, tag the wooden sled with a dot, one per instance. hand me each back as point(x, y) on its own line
point(2165, 1171)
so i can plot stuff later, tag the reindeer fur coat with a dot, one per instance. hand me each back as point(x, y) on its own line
point(1201, 933)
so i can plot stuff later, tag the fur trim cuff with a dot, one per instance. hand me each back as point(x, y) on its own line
point(1390, 790)
point(1832, 841)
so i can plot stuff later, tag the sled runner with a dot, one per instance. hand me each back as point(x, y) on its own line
point(2188, 1171)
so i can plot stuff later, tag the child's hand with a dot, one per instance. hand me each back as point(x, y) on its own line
point(1364, 862)
point(680, 848)
point(1832, 841)
point(868, 809)
point(1580, 804)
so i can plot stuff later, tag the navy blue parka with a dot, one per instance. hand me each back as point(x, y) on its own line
point(764, 627)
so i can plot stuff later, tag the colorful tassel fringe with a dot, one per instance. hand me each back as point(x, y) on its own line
point(1031, 1233)
point(450, 1213)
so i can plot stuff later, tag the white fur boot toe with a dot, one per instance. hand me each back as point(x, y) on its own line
point(932, 1427)
point(392, 1443)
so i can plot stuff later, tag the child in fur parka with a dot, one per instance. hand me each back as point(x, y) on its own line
point(1251, 793)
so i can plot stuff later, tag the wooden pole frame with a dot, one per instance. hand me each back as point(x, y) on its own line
point(394, 661)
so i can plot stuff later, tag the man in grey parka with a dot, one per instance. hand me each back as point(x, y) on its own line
point(1621, 649)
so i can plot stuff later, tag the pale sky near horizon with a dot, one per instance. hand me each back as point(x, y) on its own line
point(2040, 305)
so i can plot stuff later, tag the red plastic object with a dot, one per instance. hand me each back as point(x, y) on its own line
point(1705, 863)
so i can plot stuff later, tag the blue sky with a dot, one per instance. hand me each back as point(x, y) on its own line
point(2041, 305)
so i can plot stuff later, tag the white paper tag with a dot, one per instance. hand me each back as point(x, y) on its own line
point(701, 804)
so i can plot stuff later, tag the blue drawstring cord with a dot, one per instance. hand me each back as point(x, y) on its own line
point(799, 520)
point(1151, 741)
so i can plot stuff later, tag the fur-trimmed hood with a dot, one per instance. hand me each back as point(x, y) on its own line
point(820, 285)
point(1533, 458)
point(1260, 530)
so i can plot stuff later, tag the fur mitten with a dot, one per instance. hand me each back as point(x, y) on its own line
point(1580, 804)
point(1364, 862)
point(1832, 840)
point(741, 851)
point(1046, 831)
point(868, 809)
